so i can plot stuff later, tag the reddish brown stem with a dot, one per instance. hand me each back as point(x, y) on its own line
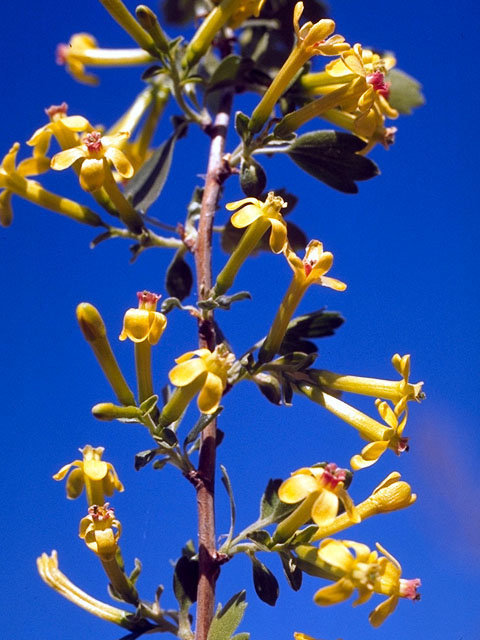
point(208, 557)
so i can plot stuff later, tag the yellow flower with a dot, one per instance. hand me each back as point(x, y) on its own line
point(64, 128)
point(364, 571)
point(13, 181)
point(268, 211)
point(209, 370)
point(257, 216)
point(325, 486)
point(245, 10)
point(391, 494)
point(385, 389)
point(94, 154)
point(144, 323)
point(82, 50)
point(396, 419)
point(97, 476)
point(101, 531)
point(312, 40)
point(310, 270)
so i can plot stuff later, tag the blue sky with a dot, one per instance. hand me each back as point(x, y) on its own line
point(407, 246)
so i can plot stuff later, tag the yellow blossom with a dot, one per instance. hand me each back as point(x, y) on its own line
point(320, 490)
point(64, 128)
point(13, 181)
point(83, 50)
point(354, 566)
point(101, 531)
point(311, 270)
point(396, 419)
point(144, 323)
point(312, 40)
point(244, 10)
point(209, 369)
point(257, 216)
point(94, 154)
point(97, 476)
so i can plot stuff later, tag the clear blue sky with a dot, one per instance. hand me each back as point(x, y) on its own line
point(407, 246)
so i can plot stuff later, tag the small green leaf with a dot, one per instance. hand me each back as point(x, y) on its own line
point(292, 572)
point(227, 618)
point(241, 636)
point(332, 157)
point(133, 577)
point(228, 486)
point(265, 583)
point(225, 74)
point(179, 278)
point(253, 179)
point(204, 420)
point(317, 324)
point(304, 536)
point(270, 386)
point(170, 303)
point(262, 538)
point(144, 457)
point(241, 125)
point(272, 510)
point(185, 580)
point(405, 92)
point(149, 404)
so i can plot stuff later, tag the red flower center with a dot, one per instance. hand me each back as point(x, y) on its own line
point(377, 80)
point(93, 141)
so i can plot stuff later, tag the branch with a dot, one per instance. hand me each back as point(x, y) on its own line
point(208, 557)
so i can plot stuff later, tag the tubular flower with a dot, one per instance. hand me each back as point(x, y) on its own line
point(366, 572)
point(310, 270)
point(321, 489)
point(356, 83)
point(245, 9)
point(396, 419)
point(391, 494)
point(82, 50)
point(64, 128)
point(209, 370)
point(257, 216)
point(312, 40)
point(94, 154)
point(144, 323)
point(386, 389)
point(12, 180)
point(50, 573)
point(101, 531)
point(97, 476)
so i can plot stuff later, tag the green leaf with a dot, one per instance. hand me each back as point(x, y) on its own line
point(241, 636)
point(241, 125)
point(142, 458)
point(133, 577)
point(149, 404)
point(262, 538)
point(272, 510)
point(304, 536)
point(227, 618)
point(185, 580)
point(170, 303)
point(265, 583)
point(405, 92)
point(204, 420)
point(317, 324)
point(225, 74)
point(179, 278)
point(292, 572)
point(270, 386)
point(228, 486)
point(332, 157)
point(146, 185)
point(253, 179)
point(224, 301)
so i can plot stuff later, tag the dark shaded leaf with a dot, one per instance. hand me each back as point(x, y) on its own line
point(179, 278)
point(253, 179)
point(331, 156)
point(261, 537)
point(269, 386)
point(292, 572)
point(185, 580)
point(272, 510)
point(142, 458)
point(227, 618)
point(204, 420)
point(265, 583)
point(146, 185)
point(405, 92)
point(225, 74)
point(228, 486)
point(317, 324)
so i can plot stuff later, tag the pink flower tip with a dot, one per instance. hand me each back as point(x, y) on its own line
point(56, 109)
point(377, 80)
point(408, 588)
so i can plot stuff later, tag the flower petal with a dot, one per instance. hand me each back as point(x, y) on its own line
point(75, 123)
point(334, 593)
point(65, 159)
point(384, 609)
point(231, 206)
point(187, 372)
point(75, 484)
point(325, 508)
point(278, 235)
point(120, 162)
point(336, 553)
point(297, 488)
point(211, 394)
point(246, 216)
point(92, 174)
point(331, 283)
point(95, 470)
